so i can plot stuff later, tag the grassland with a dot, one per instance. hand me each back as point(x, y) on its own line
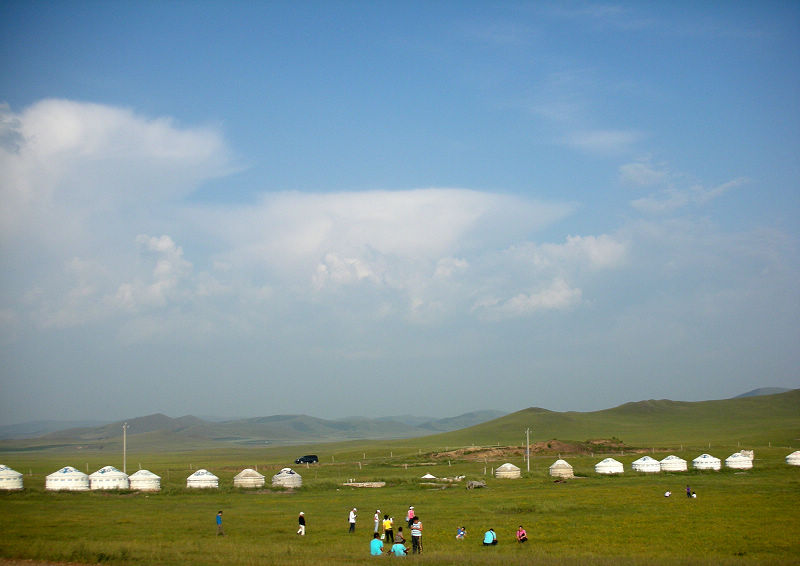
point(739, 517)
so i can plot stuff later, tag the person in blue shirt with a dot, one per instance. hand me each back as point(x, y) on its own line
point(376, 545)
point(398, 549)
point(489, 538)
point(219, 524)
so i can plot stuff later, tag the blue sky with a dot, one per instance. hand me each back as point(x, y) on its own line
point(355, 208)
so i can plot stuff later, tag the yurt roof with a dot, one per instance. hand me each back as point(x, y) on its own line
point(507, 467)
point(560, 464)
point(203, 474)
point(706, 458)
point(248, 473)
point(108, 472)
point(673, 458)
point(428, 477)
point(737, 456)
point(7, 472)
point(646, 460)
point(609, 462)
point(68, 471)
point(144, 474)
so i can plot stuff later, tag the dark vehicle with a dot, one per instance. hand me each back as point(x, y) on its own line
point(307, 459)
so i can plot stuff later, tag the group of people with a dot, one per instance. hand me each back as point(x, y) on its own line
point(490, 537)
point(396, 540)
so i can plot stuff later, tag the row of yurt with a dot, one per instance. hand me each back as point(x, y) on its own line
point(108, 477)
point(706, 462)
point(507, 471)
point(739, 461)
point(287, 477)
point(646, 464)
point(10, 479)
point(248, 478)
point(67, 479)
point(202, 479)
point(608, 466)
point(673, 463)
point(561, 469)
point(145, 480)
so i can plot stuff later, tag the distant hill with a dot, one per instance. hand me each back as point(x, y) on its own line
point(762, 419)
point(33, 429)
point(763, 391)
point(750, 419)
point(162, 432)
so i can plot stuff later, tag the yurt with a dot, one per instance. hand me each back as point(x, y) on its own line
point(109, 477)
point(608, 466)
point(145, 480)
point(646, 464)
point(793, 459)
point(10, 479)
point(673, 463)
point(428, 477)
point(248, 478)
point(287, 477)
point(507, 471)
point(706, 462)
point(67, 479)
point(561, 469)
point(202, 479)
point(738, 461)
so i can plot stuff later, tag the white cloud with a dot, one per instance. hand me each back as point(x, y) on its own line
point(641, 174)
point(603, 141)
point(557, 295)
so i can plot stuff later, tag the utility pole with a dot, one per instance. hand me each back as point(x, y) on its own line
point(528, 447)
point(125, 448)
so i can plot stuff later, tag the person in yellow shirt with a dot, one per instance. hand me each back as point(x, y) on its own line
point(388, 528)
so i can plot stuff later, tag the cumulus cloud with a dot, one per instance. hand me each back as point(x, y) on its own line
point(65, 164)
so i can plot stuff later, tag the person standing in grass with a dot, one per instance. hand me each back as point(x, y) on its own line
point(301, 520)
point(376, 518)
point(410, 515)
point(416, 536)
point(352, 519)
point(376, 545)
point(388, 528)
point(220, 532)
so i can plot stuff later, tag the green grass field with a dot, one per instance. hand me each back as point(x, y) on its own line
point(738, 518)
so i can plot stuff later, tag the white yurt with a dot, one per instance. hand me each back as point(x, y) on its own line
point(287, 477)
point(561, 469)
point(673, 463)
point(706, 462)
point(145, 480)
point(10, 479)
point(646, 464)
point(109, 477)
point(507, 471)
point(202, 479)
point(738, 461)
point(249, 478)
point(67, 479)
point(793, 459)
point(608, 466)
point(428, 477)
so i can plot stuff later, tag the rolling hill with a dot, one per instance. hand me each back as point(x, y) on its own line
point(760, 419)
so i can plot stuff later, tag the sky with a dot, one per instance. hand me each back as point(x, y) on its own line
point(383, 208)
